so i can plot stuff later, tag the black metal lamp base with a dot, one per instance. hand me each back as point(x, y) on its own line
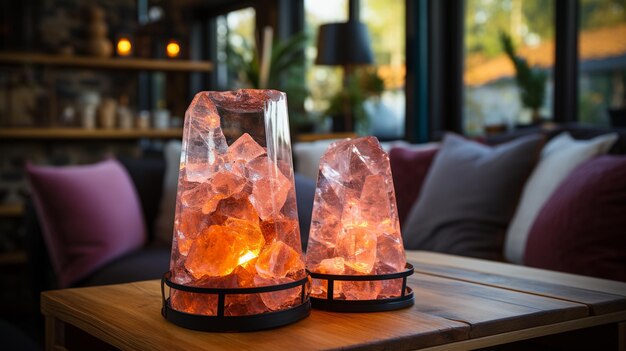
point(406, 298)
point(222, 323)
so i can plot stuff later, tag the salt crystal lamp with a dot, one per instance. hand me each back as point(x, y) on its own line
point(236, 262)
point(355, 253)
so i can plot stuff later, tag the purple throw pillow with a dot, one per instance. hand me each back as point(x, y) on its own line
point(89, 216)
point(581, 228)
point(409, 168)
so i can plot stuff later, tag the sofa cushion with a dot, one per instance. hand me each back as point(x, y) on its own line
point(469, 196)
point(305, 193)
point(147, 176)
point(409, 167)
point(558, 158)
point(164, 223)
point(307, 155)
point(576, 130)
point(581, 227)
point(142, 264)
point(90, 215)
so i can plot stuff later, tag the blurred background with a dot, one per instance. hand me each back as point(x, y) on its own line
point(83, 79)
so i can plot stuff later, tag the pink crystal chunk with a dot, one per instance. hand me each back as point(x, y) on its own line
point(355, 228)
point(236, 220)
point(265, 175)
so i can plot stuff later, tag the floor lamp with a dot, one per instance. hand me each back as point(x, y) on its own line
point(345, 44)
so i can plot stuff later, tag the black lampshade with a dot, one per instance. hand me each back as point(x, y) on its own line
point(344, 44)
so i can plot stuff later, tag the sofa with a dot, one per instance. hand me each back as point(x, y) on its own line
point(152, 258)
point(147, 174)
point(411, 164)
point(562, 211)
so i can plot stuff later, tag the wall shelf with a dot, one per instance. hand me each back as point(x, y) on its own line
point(126, 63)
point(11, 211)
point(84, 134)
point(316, 137)
point(13, 258)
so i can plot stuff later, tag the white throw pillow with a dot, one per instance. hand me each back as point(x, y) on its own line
point(558, 158)
point(164, 224)
point(307, 156)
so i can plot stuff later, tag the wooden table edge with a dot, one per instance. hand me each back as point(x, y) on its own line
point(57, 316)
point(50, 308)
point(504, 268)
point(468, 344)
point(530, 333)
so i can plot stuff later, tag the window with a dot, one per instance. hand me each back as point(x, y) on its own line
point(602, 59)
point(241, 38)
point(491, 93)
point(241, 26)
point(323, 81)
point(385, 22)
point(237, 31)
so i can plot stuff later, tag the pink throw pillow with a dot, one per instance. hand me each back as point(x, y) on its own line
point(89, 215)
point(581, 228)
point(409, 168)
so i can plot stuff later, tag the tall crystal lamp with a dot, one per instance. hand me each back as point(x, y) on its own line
point(237, 262)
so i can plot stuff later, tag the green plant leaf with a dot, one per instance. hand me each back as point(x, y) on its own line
point(531, 81)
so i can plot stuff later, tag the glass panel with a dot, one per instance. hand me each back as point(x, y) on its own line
point(493, 99)
point(241, 26)
point(240, 29)
point(323, 81)
point(385, 21)
point(602, 57)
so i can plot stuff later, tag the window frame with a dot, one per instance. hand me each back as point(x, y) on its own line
point(443, 68)
point(434, 60)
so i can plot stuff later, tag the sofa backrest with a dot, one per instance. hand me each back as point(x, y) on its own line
point(577, 131)
point(147, 175)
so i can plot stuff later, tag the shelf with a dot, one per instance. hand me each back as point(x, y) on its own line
point(316, 137)
point(15, 257)
point(8, 211)
point(77, 133)
point(128, 63)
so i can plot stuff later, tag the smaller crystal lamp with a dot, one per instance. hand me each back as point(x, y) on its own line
point(355, 253)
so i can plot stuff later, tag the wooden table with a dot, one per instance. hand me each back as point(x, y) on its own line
point(460, 304)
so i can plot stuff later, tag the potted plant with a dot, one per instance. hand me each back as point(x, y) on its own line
point(285, 71)
point(359, 87)
point(531, 81)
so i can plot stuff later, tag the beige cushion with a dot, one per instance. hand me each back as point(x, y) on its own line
point(558, 158)
point(164, 224)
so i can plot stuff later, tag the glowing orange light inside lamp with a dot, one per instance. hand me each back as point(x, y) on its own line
point(124, 47)
point(172, 49)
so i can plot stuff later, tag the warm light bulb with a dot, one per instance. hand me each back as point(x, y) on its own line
point(172, 49)
point(124, 47)
point(247, 257)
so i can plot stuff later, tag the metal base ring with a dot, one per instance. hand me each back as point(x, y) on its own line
point(379, 305)
point(262, 321)
point(223, 323)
